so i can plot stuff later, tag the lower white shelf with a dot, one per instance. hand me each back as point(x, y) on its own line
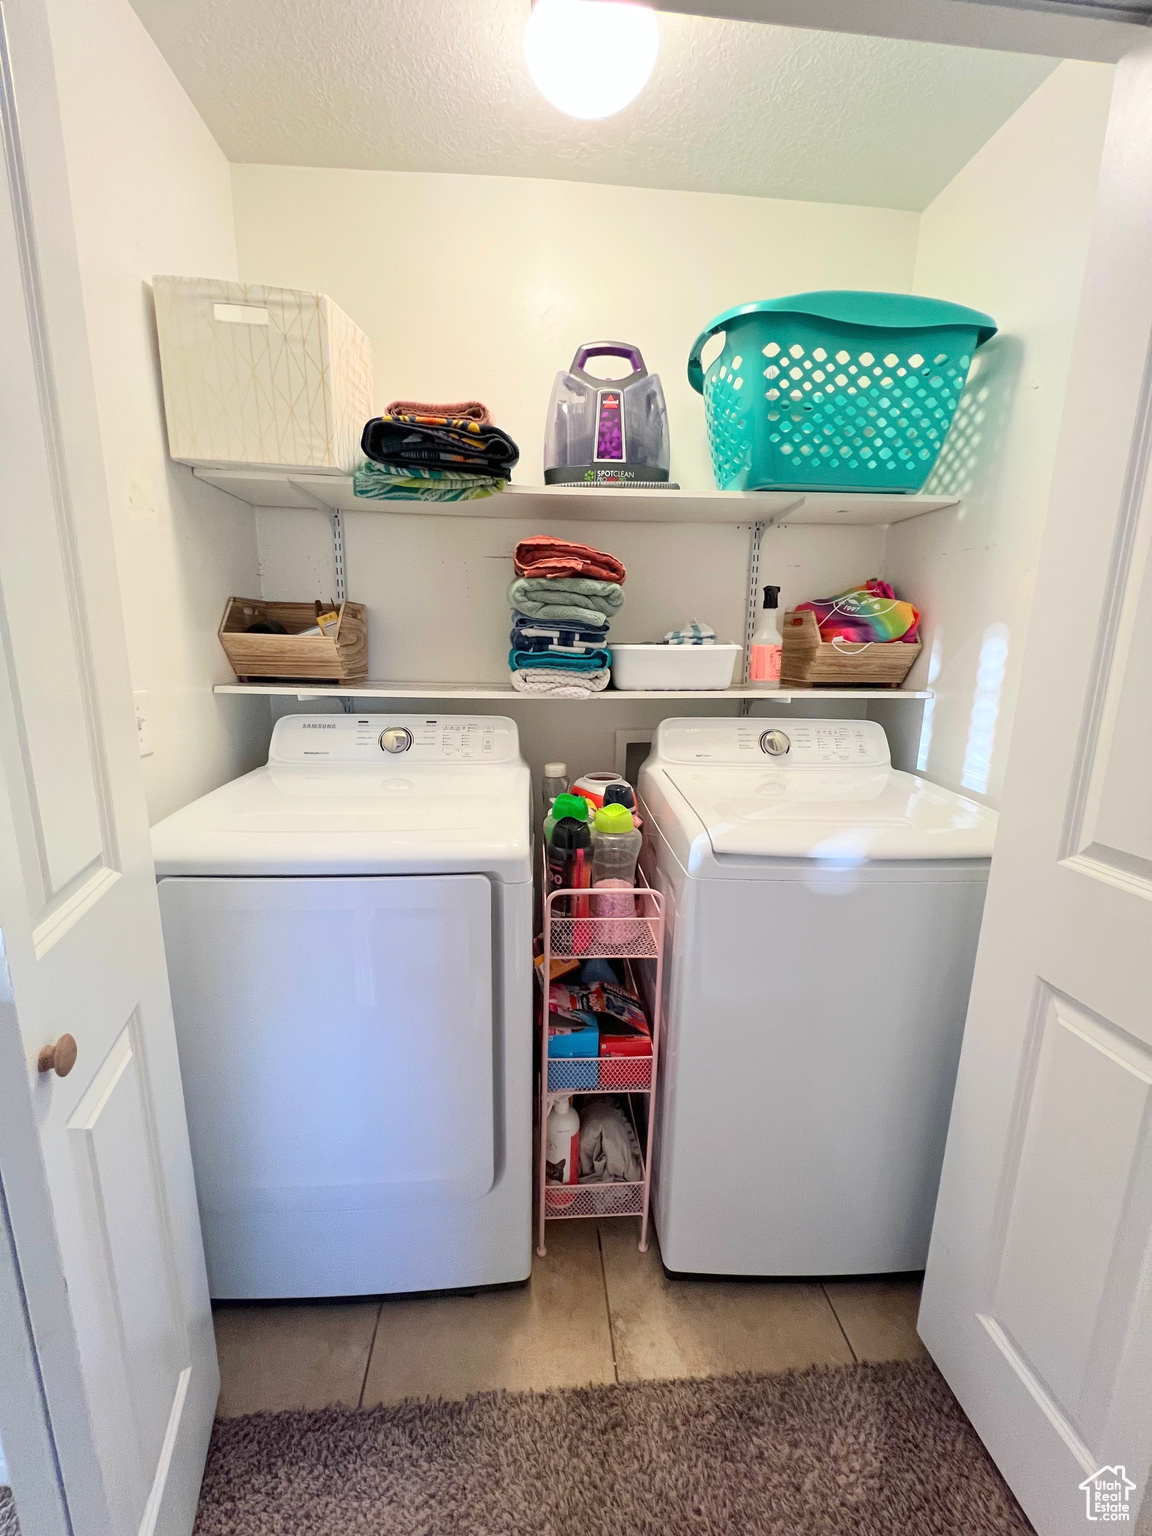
point(387, 690)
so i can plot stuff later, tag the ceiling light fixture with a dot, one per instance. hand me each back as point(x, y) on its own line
point(590, 58)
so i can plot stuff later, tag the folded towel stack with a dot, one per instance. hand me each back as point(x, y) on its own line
point(425, 452)
point(562, 600)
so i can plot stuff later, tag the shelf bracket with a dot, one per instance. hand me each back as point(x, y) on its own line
point(750, 609)
point(339, 569)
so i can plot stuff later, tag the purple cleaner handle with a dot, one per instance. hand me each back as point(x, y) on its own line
point(609, 349)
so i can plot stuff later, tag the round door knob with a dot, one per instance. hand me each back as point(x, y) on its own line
point(394, 738)
point(775, 743)
point(59, 1058)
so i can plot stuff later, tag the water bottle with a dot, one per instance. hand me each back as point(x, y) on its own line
point(573, 807)
point(622, 793)
point(555, 783)
point(615, 849)
point(569, 861)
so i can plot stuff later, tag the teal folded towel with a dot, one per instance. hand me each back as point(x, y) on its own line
point(578, 598)
point(590, 661)
point(381, 482)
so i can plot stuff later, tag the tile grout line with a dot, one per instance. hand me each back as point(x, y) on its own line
point(607, 1305)
point(371, 1352)
point(840, 1325)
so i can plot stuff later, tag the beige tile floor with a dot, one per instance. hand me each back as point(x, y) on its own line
point(596, 1310)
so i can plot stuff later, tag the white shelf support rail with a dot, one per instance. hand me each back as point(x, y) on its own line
point(339, 565)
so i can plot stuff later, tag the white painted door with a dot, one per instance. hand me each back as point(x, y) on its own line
point(114, 1278)
point(1038, 1298)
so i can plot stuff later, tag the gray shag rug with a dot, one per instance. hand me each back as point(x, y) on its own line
point(9, 1525)
point(864, 1450)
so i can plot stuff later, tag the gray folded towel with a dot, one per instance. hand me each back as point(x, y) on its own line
point(573, 598)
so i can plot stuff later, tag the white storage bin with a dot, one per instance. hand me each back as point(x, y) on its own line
point(657, 667)
point(268, 377)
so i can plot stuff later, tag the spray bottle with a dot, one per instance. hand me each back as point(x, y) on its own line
point(767, 647)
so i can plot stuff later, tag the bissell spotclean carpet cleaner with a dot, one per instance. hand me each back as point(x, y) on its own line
point(610, 432)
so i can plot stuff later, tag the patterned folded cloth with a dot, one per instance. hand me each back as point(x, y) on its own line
point(437, 442)
point(560, 685)
point(545, 556)
point(569, 639)
point(871, 611)
point(693, 633)
point(387, 482)
point(459, 410)
point(557, 599)
point(560, 661)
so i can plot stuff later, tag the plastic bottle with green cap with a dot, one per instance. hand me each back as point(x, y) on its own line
point(574, 806)
point(615, 848)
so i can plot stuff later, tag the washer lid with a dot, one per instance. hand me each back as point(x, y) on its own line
point(842, 815)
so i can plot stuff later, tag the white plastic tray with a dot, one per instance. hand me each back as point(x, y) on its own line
point(658, 668)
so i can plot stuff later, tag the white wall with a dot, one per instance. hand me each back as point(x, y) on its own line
point(484, 286)
point(151, 193)
point(1009, 236)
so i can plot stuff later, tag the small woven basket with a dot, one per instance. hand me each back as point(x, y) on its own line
point(811, 662)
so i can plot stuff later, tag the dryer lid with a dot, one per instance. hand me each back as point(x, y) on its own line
point(364, 794)
point(844, 815)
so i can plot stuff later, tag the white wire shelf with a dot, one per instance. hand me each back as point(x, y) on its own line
point(276, 488)
point(436, 690)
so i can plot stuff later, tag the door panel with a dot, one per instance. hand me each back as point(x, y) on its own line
point(117, 1173)
point(336, 1038)
point(1117, 825)
point(1091, 1086)
point(43, 628)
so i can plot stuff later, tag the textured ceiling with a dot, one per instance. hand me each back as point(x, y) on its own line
point(441, 85)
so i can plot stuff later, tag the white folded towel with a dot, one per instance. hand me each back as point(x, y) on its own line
point(558, 684)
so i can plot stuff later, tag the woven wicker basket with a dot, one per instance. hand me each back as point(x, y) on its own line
point(337, 658)
point(810, 662)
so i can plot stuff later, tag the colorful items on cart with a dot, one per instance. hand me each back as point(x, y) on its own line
point(560, 617)
point(594, 1018)
point(868, 612)
point(425, 452)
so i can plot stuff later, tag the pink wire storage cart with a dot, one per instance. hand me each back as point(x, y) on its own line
point(574, 928)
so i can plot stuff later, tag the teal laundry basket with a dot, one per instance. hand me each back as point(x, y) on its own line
point(834, 391)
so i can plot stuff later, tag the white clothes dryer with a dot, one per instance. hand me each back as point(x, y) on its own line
point(349, 941)
point(823, 911)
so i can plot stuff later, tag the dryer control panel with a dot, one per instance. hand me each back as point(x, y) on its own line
point(385, 739)
point(779, 742)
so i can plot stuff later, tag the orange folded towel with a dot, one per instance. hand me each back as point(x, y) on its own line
point(459, 410)
point(546, 556)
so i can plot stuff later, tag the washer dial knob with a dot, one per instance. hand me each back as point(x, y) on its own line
point(775, 743)
point(395, 738)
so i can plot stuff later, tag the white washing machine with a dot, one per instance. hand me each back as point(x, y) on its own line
point(823, 913)
point(349, 940)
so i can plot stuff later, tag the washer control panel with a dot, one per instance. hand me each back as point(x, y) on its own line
point(394, 739)
point(783, 742)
